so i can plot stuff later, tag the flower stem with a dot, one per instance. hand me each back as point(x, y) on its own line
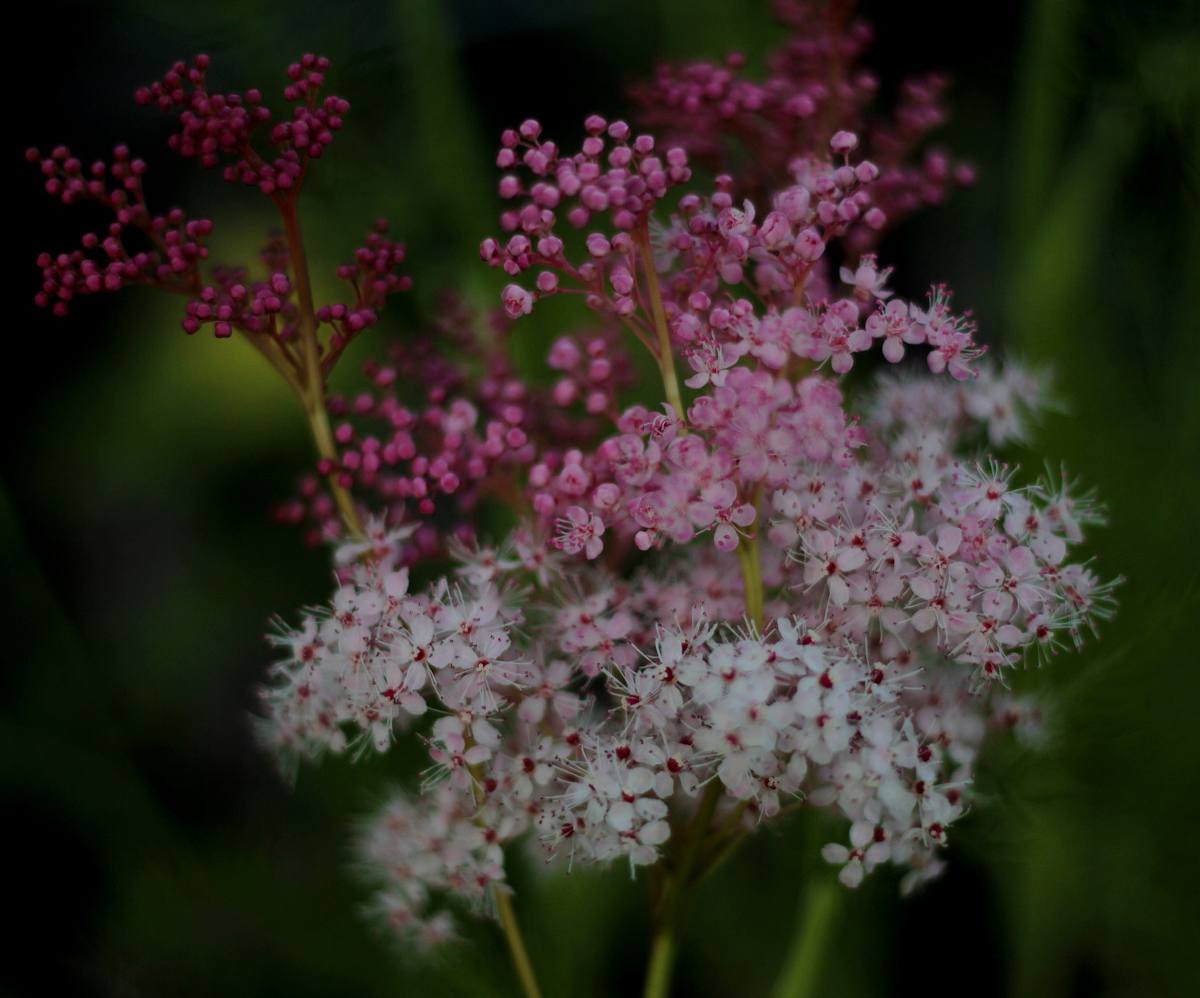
point(747, 551)
point(662, 959)
point(516, 944)
point(666, 355)
point(312, 389)
point(505, 913)
point(802, 966)
point(695, 837)
point(678, 883)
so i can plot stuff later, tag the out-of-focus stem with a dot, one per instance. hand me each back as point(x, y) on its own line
point(689, 869)
point(312, 392)
point(666, 355)
point(802, 965)
point(747, 550)
point(516, 944)
point(269, 348)
point(675, 888)
point(322, 433)
point(662, 960)
point(505, 912)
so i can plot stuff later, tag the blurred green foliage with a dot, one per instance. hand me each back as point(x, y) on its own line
point(159, 855)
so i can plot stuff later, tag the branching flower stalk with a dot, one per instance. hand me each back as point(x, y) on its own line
point(666, 352)
point(778, 592)
point(312, 391)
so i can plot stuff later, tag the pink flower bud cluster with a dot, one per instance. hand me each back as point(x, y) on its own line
point(615, 174)
point(722, 116)
point(233, 303)
point(374, 278)
point(912, 179)
point(215, 128)
point(167, 248)
point(433, 434)
point(591, 370)
point(222, 127)
point(426, 437)
point(719, 243)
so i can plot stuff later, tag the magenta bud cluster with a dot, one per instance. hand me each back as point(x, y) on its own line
point(420, 458)
point(165, 250)
point(216, 128)
point(591, 370)
point(725, 118)
point(616, 174)
point(374, 276)
point(233, 304)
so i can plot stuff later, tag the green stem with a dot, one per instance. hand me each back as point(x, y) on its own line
point(662, 960)
point(723, 846)
point(747, 551)
point(675, 887)
point(505, 913)
point(666, 355)
point(694, 861)
point(802, 966)
point(312, 393)
point(516, 945)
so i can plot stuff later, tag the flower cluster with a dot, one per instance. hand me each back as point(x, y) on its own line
point(428, 435)
point(366, 664)
point(834, 591)
point(664, 623)
point(373, 276)
point(815, 79)
point(902, 586)
point(438, 430)
point(622, 185)
point(435, 844)
point(213, 127)
point(169, 246)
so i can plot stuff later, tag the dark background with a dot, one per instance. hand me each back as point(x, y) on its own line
point(150, 850)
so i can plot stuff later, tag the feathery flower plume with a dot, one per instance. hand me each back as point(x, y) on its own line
point(775, 591)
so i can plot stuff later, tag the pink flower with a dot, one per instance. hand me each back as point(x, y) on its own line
point(580, 531)
point(516, 301)
point(831, 561)
point(843, 142)
point(892, 323)
point(950, 335)
point(867, 280)
point(710, 361)
point(718, 507)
